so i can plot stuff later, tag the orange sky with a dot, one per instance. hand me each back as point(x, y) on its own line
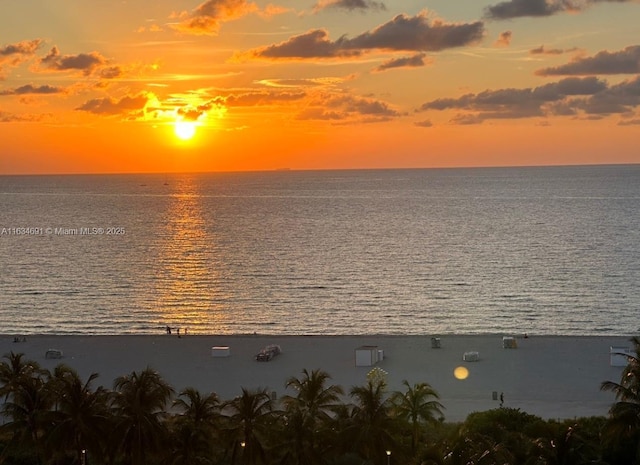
point(99, 86)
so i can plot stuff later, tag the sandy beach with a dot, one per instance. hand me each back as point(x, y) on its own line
point(550, 376)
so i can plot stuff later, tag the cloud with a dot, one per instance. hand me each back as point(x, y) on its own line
point(423, 124)
point(259, 98)
point(349, 5)
point(311, 44)
point(504, 39)
point(347, 108)
point(402, 33)
point(413, 61)
point(26, 47)
point(540, 8)
point(550, 51)
point(19, 52)
point(208, 17)
point(629, 122)
point(85, 62)
point(626, 61)
point(6, 117)
point(30, 89)
point(110, 106)
point(558, 98)
point(620, 98)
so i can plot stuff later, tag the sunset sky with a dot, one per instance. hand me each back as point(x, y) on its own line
point(176, 85)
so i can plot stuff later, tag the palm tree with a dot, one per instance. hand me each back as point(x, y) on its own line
point(248, 415)
point(418, 405)
point(371, 425)
point(139, 403)
point(81, 418)
point(196, 427)
point(13, 370)
point(28, 409)
point(624, 418)
point(309, 411)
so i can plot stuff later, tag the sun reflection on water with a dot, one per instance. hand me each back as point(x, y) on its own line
point(187, 273)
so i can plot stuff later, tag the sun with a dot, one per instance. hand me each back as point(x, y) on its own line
point(184, 130)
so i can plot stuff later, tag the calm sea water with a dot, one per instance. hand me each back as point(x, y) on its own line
point(508, 250)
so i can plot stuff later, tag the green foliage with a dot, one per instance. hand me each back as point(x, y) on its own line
point(51, 417)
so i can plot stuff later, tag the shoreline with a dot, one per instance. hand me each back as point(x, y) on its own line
point(554, 377)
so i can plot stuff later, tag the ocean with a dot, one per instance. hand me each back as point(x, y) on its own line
point(537, 250)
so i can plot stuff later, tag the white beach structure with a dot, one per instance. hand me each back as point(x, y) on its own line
point(220, 351)
point(509, 342)
point(367, 356)
point(471, 356)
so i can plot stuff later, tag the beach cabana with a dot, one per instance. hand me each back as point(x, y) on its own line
point(471, 356)
point(509, 342)
point(367, 356)
point(53, 353)
point(220, 351)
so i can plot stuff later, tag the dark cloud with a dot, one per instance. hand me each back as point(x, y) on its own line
point(550, 51)
point(553, 98)
point(517, 8)
point(539, 8)
point(26, 47)
point(413, 61)
point(349, 5)
point(111, 72)
point(30, 89)
point(85, 62)
point(312, 44)
point(109, 106)
point(416, 33)
point(402, 33)
point(625, 61)
point(617, 99)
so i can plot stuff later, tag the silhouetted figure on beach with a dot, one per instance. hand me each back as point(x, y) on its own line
point(168, 330)
point(501, 399)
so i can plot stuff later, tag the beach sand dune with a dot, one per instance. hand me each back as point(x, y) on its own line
point(550, 376)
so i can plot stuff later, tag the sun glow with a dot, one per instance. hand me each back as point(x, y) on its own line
point(184, 130)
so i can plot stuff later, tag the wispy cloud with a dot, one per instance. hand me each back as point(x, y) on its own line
point(6, 117)
point(31, 89)
point(626, 61)
point(414, 61)
point(402, 33)
point(542, 50)
point(349, 5)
